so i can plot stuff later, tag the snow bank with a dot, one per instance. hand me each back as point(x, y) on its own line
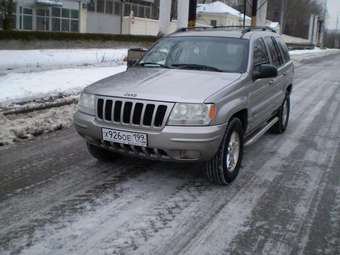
point(31, 60)
point(314, 51)
point(26, 126)
point(299, 56)
point(16, 87)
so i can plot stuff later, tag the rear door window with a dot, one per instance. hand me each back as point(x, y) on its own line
point(274, 51)
point(260, 53)
point(284, 49)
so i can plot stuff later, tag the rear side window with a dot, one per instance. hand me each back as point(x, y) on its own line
point(284, 49)
point(260, 53)
point(274, 51)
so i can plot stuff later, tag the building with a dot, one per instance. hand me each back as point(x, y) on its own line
point(236, 4)
point(106, 16)
point(49, 15)
point(85, 16)
point(220, 14)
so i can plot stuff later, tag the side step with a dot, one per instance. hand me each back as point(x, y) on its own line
point(260, 133)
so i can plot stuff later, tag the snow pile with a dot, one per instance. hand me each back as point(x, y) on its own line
point(26, 126)
point(17, 87)
point(299, 56)
point(219, 8)
point(32, 60)
point(315, 51)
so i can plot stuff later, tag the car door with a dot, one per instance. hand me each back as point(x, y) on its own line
point(276, 84)
point(259, 99)
point(287, 68)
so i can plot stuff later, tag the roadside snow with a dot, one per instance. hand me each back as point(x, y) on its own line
point(299, 56)
point(26, 126)
point(32, 60)
point(17, 87)
point(317, 51)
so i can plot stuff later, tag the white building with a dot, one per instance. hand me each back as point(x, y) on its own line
point(85, 16)
point(219, 14)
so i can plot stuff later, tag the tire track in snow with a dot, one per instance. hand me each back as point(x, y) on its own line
point(290, 196)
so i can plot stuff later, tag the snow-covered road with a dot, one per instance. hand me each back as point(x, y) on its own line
point(56, 199)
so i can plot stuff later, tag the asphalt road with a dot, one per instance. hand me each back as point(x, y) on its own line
point(56, 199)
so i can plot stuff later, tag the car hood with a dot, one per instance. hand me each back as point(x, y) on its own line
point(172, 85)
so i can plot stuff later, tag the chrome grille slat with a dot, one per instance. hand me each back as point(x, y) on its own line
point(113, 110)
point(132, 111)
point(154, 115)
point(103, 110)
point(142, 115)
point(124, 112)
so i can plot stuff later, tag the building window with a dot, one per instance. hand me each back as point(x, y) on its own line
point(143, 10)
point(140, 11)
point(109, 7)
point(127, 9)
point(148, 13)
point(74, 25)
point(100, 5)
point(118, 8)
point(91, 6)
point(213, 23)
point(65, 20)
point(43, 19)
point(26, 18)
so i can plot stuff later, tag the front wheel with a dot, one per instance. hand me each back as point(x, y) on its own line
point(225, 165)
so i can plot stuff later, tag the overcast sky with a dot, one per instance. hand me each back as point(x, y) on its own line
point(333, 13)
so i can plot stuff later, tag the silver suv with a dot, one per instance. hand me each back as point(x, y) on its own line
point(197, 95)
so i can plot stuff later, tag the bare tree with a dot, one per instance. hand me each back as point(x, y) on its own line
point(7, 8)
point(298, 14)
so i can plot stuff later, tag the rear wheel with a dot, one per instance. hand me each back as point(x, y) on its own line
point(283, 115)
point(225, 166)
point(100, 153)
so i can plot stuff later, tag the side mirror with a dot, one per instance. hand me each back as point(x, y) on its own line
point(265, 71)
point(134, 55)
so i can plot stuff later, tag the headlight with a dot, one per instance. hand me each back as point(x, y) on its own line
point(192, 114)
point(87, 103)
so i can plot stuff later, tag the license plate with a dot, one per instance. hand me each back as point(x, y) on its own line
point(125, 137)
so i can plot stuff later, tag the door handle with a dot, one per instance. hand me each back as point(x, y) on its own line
point(271, 82)
point(284, 74)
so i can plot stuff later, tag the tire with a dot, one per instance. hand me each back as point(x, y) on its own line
point(217, 169)
point(283, 115)
point(100, 153)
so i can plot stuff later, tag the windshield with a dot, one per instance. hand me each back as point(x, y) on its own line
point(199, 53)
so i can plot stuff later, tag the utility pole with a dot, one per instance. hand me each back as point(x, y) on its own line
point(253, 13)
point(182, 13)
point(261, 15)
point(323, 26)
point(164, 17)
point(282, 15)
point(244, 12)
point(192, 13)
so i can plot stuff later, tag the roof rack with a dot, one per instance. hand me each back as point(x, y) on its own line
point(244, 29)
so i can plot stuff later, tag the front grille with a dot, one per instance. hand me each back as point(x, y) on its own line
point(133, 112)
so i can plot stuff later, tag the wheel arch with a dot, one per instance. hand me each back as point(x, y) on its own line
point(242, 115)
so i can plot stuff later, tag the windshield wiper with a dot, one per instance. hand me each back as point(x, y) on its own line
point(151, 64)
point(197, 67)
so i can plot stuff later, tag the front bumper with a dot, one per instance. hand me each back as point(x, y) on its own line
point(174, 143)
